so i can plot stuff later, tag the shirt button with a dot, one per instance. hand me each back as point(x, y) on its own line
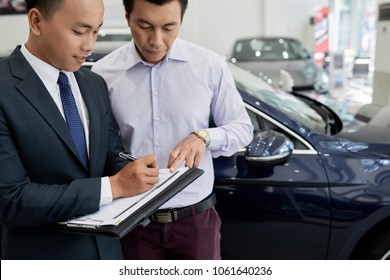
point(156, 93)
point(158, 144)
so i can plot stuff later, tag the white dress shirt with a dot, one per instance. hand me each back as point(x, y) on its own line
point(157, 106)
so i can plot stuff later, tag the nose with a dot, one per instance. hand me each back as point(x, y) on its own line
point(89, 43)
point(156, 39)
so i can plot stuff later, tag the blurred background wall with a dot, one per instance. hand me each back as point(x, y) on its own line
point(216, 24)
point(213, 24)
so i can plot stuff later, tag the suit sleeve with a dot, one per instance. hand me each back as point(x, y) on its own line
point(24, 202)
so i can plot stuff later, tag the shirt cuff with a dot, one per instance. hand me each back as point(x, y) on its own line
point(105, 192)
point(217, 139)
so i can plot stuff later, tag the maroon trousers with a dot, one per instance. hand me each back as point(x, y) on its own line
point(192, 238)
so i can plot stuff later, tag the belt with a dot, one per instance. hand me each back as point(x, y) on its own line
point(165, 216)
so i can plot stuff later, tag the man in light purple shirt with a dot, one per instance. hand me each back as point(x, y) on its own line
point(163, 92)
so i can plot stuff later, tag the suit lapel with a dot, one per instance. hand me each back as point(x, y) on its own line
point(32, 88)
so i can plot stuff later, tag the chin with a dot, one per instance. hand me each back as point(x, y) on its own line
point(72, 68)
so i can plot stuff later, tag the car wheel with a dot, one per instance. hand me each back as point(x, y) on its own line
point(377, 249)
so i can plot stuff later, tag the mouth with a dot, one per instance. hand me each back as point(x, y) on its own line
point(81, 59)
point(154, 52)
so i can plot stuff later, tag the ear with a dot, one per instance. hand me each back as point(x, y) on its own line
point(35, 20)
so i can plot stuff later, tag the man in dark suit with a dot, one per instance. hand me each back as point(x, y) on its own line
point(43, 179)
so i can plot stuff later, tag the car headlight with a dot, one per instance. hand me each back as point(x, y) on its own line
point(321, 82)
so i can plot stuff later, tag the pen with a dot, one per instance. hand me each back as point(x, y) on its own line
point(126, 156)
point(130, 157)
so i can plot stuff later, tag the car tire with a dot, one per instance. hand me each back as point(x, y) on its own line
point(378, 248)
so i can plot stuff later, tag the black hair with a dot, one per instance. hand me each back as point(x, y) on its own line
point(46, 7)
point(128, 4)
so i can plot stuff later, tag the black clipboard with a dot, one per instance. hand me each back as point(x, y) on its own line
point(140, 216)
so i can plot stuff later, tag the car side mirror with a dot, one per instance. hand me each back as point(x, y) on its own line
point(269, 148)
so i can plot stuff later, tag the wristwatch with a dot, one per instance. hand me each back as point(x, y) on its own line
point(204, 135)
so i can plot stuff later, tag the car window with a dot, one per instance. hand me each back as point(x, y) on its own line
point(297, 50)
point(261, 124)
point(256, 122)
point(269, 49)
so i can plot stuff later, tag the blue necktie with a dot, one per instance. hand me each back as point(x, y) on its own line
point(73, 118)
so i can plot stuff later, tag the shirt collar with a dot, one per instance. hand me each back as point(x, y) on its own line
point(46, 72)
point(177, 52)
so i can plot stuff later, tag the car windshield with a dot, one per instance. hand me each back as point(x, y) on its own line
point(280, 100)
point(269, 49)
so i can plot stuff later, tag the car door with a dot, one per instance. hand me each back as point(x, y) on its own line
point(273, 212)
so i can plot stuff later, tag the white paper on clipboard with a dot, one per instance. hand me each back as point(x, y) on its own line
point(121, 208)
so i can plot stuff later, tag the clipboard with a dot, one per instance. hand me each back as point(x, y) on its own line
point(124, 214)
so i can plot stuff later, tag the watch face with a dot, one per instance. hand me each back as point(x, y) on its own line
point(203, 133)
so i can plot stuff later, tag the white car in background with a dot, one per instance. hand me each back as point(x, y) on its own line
point(281, 61)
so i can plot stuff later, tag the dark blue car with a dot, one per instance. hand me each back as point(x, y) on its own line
point(304, 188)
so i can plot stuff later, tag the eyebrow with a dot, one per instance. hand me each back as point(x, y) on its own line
point(141, 20)
point(86, 25)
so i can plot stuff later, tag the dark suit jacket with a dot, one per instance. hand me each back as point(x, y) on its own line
point(42, 180)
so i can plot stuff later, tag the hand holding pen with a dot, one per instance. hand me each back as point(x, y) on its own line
point(138, 176)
